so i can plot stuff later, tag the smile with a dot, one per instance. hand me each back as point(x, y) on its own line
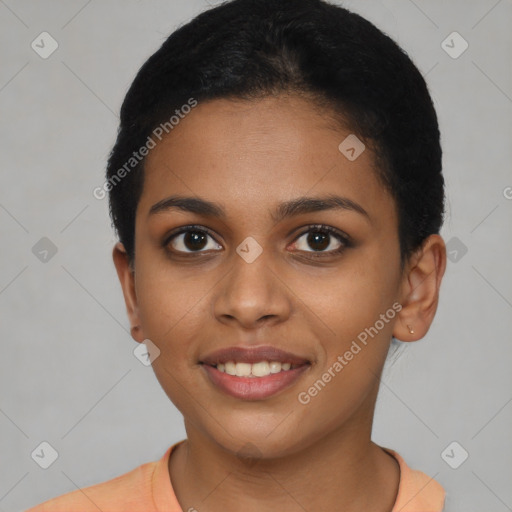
point(253, 373)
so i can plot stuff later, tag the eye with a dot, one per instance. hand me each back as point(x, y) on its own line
point(323, 240)
point(191, 239)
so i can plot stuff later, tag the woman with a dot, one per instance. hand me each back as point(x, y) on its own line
point(277, 191)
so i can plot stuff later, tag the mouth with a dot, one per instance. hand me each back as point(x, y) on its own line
point(255, 373)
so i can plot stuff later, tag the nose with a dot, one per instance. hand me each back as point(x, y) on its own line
point(252, 294)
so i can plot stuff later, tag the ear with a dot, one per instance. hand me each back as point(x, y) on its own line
point(126, 275)
point(420, 290)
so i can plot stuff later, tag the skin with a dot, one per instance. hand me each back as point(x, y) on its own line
point(248, 157)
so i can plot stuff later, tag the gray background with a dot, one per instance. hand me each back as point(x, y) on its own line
point(67, 372)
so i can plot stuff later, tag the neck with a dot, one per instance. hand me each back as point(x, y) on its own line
point(344, 470)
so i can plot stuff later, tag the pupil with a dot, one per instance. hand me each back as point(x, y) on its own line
point(194, 240)
point(316, 237)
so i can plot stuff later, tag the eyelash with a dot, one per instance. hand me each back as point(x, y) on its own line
point(344, 239)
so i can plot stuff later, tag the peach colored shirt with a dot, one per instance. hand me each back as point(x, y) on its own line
point(148, 488)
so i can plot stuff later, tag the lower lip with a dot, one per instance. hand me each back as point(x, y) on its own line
point(254, 388)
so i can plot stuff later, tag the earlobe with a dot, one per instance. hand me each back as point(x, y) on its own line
point(420, 290)
point(126, 275)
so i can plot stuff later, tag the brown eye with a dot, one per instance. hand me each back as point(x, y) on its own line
point(318, 241)
point(321, 239)
point(192, 240)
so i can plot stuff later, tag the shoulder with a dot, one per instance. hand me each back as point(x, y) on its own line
point(417, 491)
point(129, 491)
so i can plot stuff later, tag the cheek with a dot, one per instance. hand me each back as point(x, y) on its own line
point(172, 309)
point(354, 347)
point(350, 299)
point(163, 297)
point(172, 314)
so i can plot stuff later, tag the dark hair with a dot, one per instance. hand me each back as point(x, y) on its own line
point(248, 49)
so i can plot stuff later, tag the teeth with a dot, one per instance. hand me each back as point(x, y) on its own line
point(275, 367)
point(230, 368)
point(261, 369)
point(242, 369)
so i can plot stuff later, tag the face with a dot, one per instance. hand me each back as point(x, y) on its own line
point(257, 268)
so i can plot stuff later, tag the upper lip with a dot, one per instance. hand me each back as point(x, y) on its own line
point(251, 355)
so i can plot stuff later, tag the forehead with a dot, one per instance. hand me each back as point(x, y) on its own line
point(258, 153)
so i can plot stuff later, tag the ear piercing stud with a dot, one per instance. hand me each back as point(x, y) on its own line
point(410, 329)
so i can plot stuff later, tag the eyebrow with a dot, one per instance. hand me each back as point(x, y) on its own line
point(284, 210)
